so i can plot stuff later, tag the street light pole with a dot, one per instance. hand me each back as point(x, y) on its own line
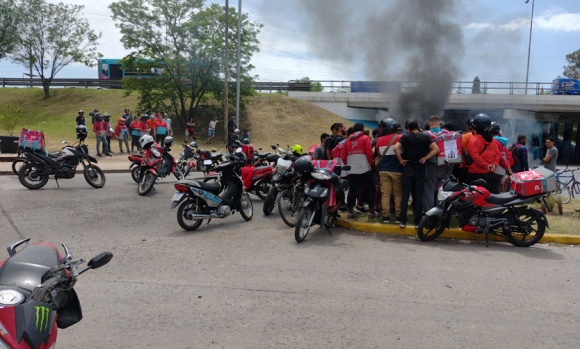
point(529, 44)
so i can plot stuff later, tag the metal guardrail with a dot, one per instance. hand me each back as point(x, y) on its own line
point(458, 87)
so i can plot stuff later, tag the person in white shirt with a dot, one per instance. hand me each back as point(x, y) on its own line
point(211, 130)
point(168, 122)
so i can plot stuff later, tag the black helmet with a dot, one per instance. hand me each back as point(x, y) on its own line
point(481, 122)
point(494, 129)
point(81, 132)
point(388, 126)
point(303, 165)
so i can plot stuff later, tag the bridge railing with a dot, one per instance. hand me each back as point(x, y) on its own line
point(459, 87)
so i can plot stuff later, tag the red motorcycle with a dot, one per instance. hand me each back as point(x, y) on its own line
point(479, 211)
point(157, 163)
point(37, 295)
point(135, 167)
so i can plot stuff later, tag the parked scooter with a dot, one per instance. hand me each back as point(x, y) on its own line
point(479, 211)
point(283, 179)
point(324, 193)
point(36, 294)
point(199, 200)
point(157, 163)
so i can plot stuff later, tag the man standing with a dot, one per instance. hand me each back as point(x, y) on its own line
point(167, 120)
point(231, 128)
point(551, 154)
point(100, 127)
point(418, 148)
point(338, 133)
point(81, 118)
point(319, 151)
point(211, 130)
point(435, 173)
point(389, 168)
point(520, 155)
point(357, 152)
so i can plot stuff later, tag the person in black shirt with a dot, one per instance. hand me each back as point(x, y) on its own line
point(81, 118)
point(417, 149)
point(338, 133)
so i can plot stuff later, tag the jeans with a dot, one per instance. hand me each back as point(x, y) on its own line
point(105, 144)
point(415, 183)
point(123, 141)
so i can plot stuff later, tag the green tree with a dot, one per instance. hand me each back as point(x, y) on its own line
point(8, 27)
point(52, 37)
point(9, 118)
point(186, 40)
point(315, 86)
point(572, 70)
point(476, 87)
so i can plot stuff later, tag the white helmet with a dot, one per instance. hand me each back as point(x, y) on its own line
point(145, 141)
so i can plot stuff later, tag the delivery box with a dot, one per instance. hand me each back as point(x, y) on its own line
point(529, 183)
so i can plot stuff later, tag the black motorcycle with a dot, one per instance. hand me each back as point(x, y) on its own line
point(40, 166)
point(37, 295)
point(283, 179)
point(199, 200)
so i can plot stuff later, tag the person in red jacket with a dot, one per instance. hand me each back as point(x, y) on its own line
point(122, 134)
point(483, 150)
point(357, 152)
point(505, 164)
point(100, 127)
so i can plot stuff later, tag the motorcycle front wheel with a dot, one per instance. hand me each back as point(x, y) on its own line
point(270, 201)
point(146, 183)
point(431, 227)
point(184, 219)
point(17, 165)
point(94, 176)
point(304, 223)
point(289, 205)
point(262, 187)
point(246, 207)
point(135, 174)
point(531, 231)
point(29, 177)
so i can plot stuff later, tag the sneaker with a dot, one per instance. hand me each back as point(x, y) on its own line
point(99, 155)
point(374, 215)
point(386, 219)
point(416, 227)
point(108, 155)
point(401, 225)
point(361, 209)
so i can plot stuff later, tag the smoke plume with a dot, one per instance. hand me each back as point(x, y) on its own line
point(394, 40)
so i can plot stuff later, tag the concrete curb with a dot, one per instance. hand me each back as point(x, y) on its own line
point(453, 233)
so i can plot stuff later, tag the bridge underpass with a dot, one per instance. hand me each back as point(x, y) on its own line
point(536, 116)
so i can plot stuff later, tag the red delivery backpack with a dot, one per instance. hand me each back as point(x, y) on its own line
point(31, 139)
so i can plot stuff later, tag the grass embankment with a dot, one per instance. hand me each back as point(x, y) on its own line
point(270, 118)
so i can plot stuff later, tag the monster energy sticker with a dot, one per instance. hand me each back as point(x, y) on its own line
point(42, 317)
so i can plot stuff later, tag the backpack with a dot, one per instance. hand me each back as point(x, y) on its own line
point(513, 159)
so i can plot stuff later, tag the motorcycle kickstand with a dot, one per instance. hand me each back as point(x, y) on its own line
point(486, 231)
point(209, 220)
point(56, 180)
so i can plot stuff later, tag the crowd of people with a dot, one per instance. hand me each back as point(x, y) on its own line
point(156, 124)
point(395, 163)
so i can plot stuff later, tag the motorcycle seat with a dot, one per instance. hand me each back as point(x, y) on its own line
point(54, 155)
point(213, 187)
point(500, 199)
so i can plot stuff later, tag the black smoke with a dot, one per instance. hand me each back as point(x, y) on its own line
point(393, 40)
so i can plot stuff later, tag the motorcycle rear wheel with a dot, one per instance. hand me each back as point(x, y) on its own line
point(29, 178)
point(135, 173)
point(94, 176)
point(246, 207)
point(146, 183)
point(532, 231)
point(262, 187)
point(431, 227)
point(303, 223)
point(289, 205)
point(187, 207)
point(270, 201)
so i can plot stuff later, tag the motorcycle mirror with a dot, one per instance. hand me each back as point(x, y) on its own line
point(100, 260)
point(238, 150)
point(273, 146)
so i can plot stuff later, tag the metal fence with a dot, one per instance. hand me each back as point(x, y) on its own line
point(326, 85)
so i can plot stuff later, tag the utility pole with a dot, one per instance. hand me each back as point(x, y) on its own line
point(529, 43)
point(226, 77)
point(238, 70)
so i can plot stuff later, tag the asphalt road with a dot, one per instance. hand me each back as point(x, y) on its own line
point(237, 284)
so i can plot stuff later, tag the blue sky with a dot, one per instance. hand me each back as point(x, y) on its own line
point(495, 39)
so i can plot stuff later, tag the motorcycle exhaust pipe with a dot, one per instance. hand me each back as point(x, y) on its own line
point(204, 216)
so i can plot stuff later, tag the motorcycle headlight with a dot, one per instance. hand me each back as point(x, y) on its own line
point(156, 152)
point(322, 176)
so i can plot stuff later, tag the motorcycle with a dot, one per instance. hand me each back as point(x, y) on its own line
point(36, 293)
point(199, 200)
point(135, 167)
point(479, 211)
point(323, 193)
point(157, 163)
point(282, 180)
point(39, 166)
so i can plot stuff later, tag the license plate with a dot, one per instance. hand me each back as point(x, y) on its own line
point(177, 196)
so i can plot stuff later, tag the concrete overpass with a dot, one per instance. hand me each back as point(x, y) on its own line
point(536, 116)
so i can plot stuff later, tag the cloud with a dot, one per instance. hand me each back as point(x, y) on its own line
point(551, 21)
